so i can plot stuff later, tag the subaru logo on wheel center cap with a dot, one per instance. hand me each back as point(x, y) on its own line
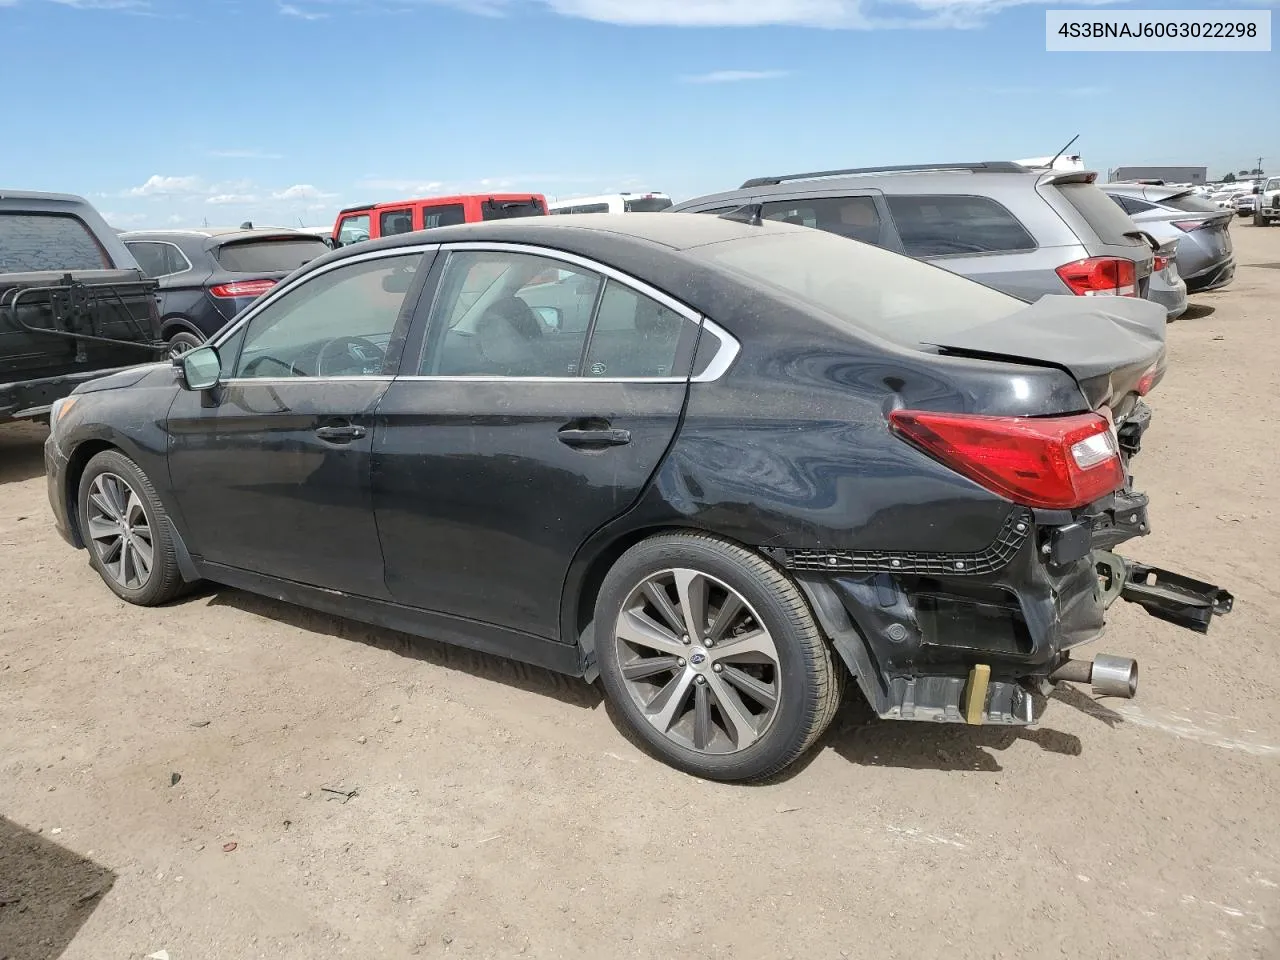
point(698, 657)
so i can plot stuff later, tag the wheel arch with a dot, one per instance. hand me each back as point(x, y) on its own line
point(178, 323)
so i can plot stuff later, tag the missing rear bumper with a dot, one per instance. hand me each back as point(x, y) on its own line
point(1171, 597)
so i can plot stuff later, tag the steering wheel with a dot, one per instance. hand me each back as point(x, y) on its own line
point(362, 357)
point(252, 366)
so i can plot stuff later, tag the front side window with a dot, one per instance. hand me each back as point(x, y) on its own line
point(392, 222)
point(31, 242)
point(353, 229)
point(946, 225)
point(335, 325)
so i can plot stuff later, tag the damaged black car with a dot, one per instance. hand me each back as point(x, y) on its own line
point(719, 466)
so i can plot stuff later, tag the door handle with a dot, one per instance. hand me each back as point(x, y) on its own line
point(605, 437)
point(343, 433)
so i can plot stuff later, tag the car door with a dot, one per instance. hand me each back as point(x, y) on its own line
point(512, 433)
point(271, 469)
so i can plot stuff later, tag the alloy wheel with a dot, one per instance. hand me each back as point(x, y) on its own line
point(119, 531)
point(698, 661)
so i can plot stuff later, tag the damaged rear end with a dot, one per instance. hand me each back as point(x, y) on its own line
point(983, 637)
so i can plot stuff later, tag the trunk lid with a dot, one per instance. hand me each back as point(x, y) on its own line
point(1109, 346)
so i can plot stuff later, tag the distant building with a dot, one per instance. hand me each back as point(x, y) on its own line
point(1192, 175)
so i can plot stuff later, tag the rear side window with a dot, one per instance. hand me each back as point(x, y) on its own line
point(31, 242)
point(1109, 222)
point(1190, 203)
point(444, 215)
point(1130, 205)
point(158, 259)
point(269, 256)
point(506, 209)
point(854, 217)
point(941, 226)
point(392, 222)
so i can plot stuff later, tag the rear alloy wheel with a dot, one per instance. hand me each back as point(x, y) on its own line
point(126, 530)
point(182, 341)
point(713, 658)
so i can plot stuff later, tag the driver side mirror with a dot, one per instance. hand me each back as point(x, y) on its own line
point(550, 317)
point(201, 368)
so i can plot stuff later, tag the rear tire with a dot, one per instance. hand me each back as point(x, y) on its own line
point(182, 341)
point(127, 532)
point(752, 688)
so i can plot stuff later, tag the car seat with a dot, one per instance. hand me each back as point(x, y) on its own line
point(509, 339)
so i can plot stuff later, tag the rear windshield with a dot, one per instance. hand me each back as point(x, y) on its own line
point(270, 256)
point(1109, 222)
point(31, 242)
point(505, 209)
point(648, 204)
point(885, 293)
point(1189, 203)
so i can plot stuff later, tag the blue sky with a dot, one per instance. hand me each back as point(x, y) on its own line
point(186, 111)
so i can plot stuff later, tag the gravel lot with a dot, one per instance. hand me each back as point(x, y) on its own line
point(501, 813)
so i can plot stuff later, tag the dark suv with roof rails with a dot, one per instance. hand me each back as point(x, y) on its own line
point(1028, 232)
point(208, 276)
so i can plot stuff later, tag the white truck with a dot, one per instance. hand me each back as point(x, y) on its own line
point(1266, 209)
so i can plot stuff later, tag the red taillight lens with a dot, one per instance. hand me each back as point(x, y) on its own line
point(241, 288)
point(1160, 264)
point(1101, 277)
point(1188, 225)
point(1148, 380)
point(1056, 463)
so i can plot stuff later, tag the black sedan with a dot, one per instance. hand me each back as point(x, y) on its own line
point(208, 276)
point(719, 465)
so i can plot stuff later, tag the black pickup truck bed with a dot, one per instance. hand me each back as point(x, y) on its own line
point(73, 303)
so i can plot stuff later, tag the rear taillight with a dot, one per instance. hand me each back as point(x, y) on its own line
point(241, 288)
point(1161, 263)
point(1188, 225)
point(1055, 463)
point(1148, 380)
point(1101, 277)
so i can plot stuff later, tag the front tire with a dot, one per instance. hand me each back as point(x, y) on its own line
point(713, 659)
point(182, 341)
point(126, 530)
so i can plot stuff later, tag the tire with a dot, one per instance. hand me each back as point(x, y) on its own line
point(113, 484)
point(182, 341)
point(714, 700)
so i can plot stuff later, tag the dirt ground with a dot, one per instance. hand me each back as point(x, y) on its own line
point(500, 813)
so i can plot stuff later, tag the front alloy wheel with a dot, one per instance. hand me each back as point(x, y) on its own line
point(119, 531)
point(697, 660)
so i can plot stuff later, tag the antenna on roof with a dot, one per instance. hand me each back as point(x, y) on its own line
point(247, 225)
point(1063, 150)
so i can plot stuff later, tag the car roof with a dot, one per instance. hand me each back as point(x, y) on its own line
point(434, 201)
point(951, 181)
point(674, 231)
point(222, 235)
point(38, 195)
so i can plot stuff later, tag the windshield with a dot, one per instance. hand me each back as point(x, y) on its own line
point(883, 292)
point(270, 256)
point(31, 242)
point(648, 204)
point(505, 209)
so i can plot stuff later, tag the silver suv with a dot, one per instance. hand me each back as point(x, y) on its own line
point(1026, 232)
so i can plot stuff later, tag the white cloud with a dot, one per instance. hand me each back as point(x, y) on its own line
point(735, 76)
point(289, 10)
point(301, 191)
point(158, 186)
point(224, 199)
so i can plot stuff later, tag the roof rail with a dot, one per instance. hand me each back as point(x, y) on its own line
point(990, 166)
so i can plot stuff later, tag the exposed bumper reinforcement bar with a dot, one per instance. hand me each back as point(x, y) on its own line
point(1167, 596)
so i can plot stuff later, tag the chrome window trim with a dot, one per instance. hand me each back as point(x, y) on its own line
point(275, 381)
point(720, 363)
point(282, 289)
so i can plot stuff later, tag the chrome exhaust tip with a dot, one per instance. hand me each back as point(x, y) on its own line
point(1110, 676)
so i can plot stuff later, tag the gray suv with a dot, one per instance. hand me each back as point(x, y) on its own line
point(1026, 232)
